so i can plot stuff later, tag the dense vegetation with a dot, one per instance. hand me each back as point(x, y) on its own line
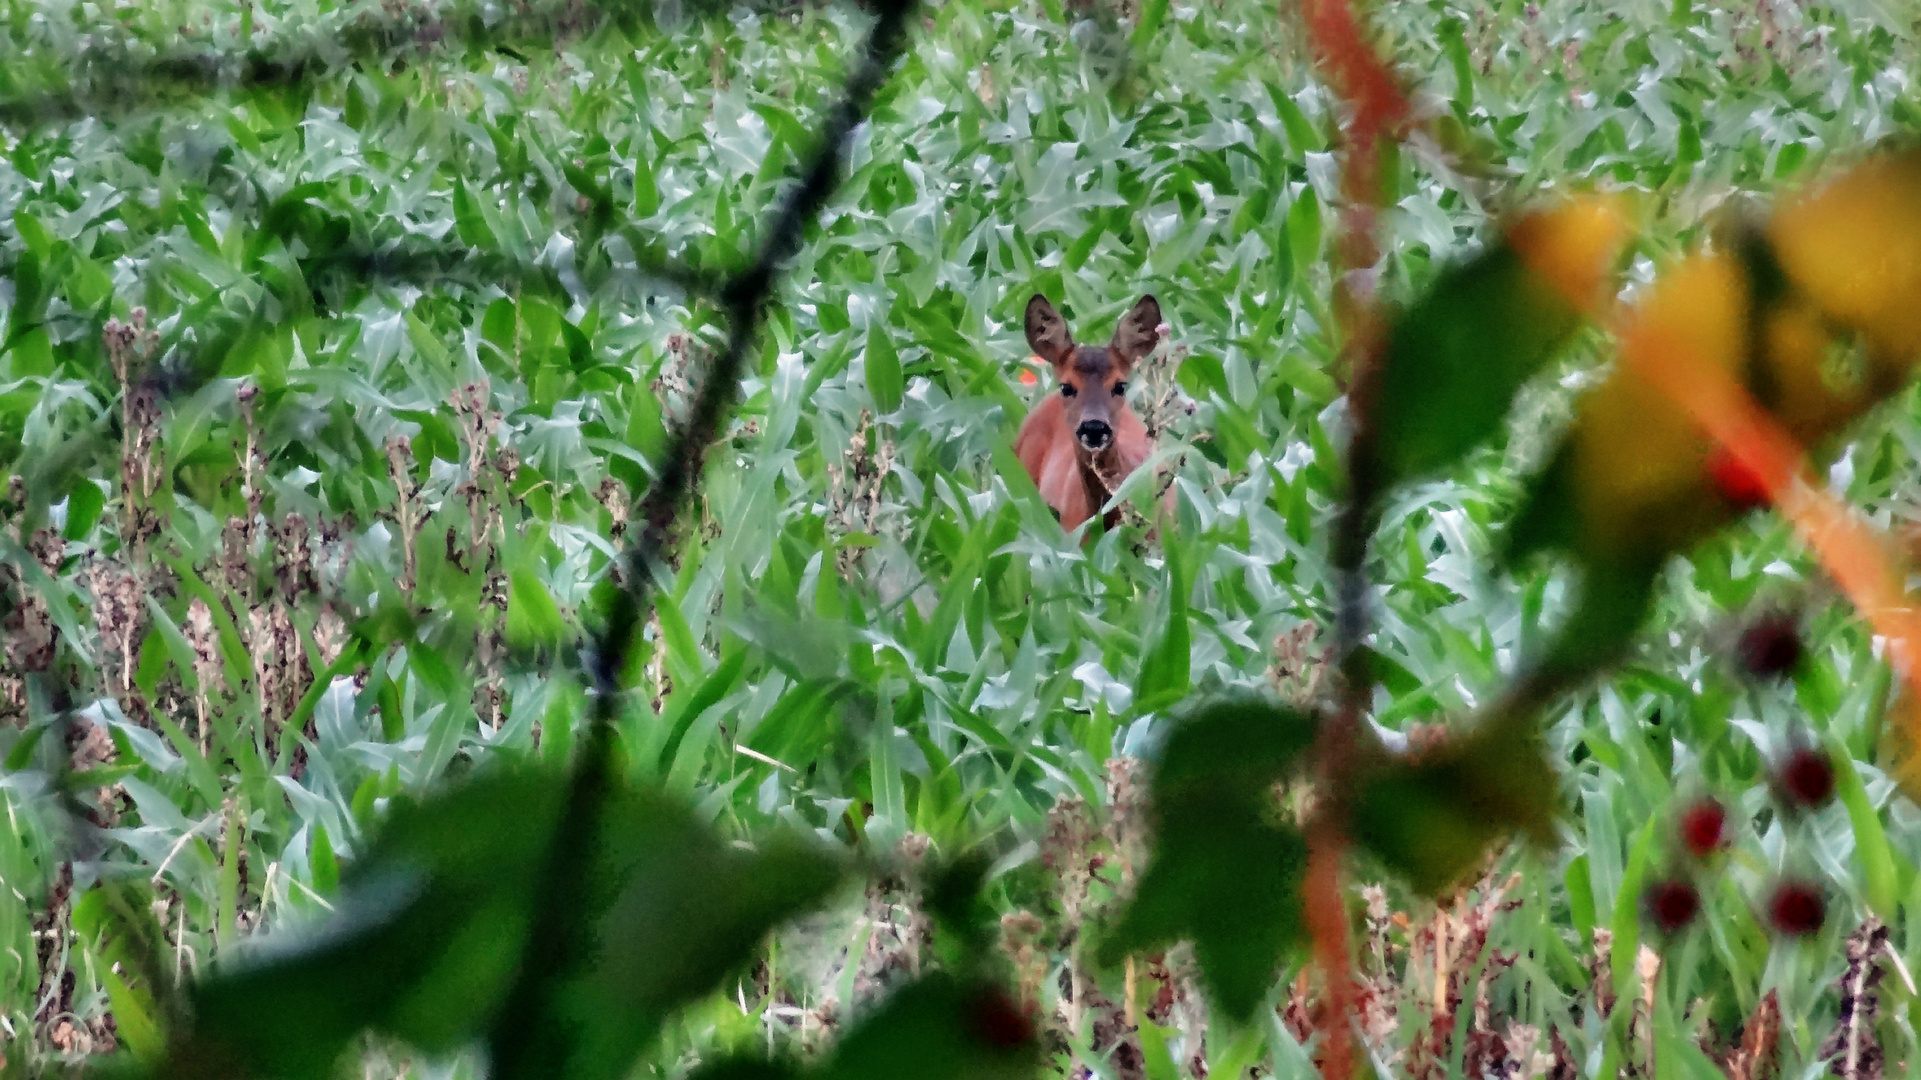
point(340, 341)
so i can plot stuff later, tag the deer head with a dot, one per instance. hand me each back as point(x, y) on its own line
point(1093, 378)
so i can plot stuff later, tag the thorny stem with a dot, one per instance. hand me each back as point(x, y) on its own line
point(1361, 77)
point(530, 1041)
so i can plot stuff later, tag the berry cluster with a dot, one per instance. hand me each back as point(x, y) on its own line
point(1801, 780)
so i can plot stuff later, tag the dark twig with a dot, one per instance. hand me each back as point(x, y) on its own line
point(530, 1040)
point(118, 78)
point(438, 265)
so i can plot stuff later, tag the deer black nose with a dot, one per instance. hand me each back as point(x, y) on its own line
point(1094, 434)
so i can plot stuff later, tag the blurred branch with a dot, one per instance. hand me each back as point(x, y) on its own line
point(1361, 77)
point(529, 1039)
point(120, 76)
point(422, 265)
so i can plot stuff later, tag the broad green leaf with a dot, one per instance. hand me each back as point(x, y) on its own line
point(1239, 743)
point(533, 619)
point(430, 926)
point(1164, 669)
point(1455, 359)
point(325, 867)
point(85, 501)
point(1230, 882)
point(882, 365)
point(1872, 853)
point(1433, 819)
point(940, 1028)
point(1223, 873)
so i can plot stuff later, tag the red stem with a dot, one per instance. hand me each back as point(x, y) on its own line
point(1359, 75)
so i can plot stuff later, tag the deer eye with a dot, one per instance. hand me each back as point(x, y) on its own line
point(1067, 390)
point(1120, 389)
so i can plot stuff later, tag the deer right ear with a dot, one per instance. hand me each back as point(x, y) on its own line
point(1047, 332)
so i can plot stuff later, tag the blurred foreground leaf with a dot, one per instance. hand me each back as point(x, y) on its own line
point(1225, 873)
point(1456, 358)
point(940, 1028)
point(1812, 313)
point(431, 924)
point(1433, 819)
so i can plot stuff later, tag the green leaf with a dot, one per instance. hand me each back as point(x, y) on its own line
point(694, 908)
point(1616, 589)
point(1153, 14)
point(1613, 600)
point(469, 223)
point(430, 927)
point(1872, 853)
point(1433, 819)
point(85, 501)
point(31, 352)
point(133, 1019)
point(939, 1028)
point(1165, 668)
point(1304, 229)
point(1240, 743)
point(426, 934)
point(499, 325)
point(1230, 882)
point(325, 867)
point(746, 1069)
point(1456, 358)
point(533, 619)
point(882, 364)
point(1224, 873)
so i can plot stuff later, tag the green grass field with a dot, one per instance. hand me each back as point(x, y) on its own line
point(311, 513)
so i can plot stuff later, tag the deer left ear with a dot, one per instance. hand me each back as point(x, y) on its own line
point(1138, 332)
point(1047, 332)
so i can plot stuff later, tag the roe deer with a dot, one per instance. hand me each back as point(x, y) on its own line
point(1081, 442)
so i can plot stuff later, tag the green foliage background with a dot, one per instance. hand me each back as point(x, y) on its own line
point(876, 629)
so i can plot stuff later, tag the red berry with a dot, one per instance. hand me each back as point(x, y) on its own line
point(997, 1021)
point(1771, 646)
point(1735, 481)
point(1671, 904)
point(1704, 827)
point(1807, 777)
point(1796, 908)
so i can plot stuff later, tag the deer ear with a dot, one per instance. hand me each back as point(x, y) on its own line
point(1047, 332)
point(1138, 332)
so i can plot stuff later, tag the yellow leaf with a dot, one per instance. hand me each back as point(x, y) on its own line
point(1639, 460)
point(1574, 245)
point(1854, 246)
point(1795, 382)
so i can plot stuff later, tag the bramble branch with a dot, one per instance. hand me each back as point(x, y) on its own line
point(530, 1037)
point(1361, 77)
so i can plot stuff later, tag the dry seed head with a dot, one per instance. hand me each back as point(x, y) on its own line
point(612, 494)
point(280, 667)
point(1021, 927)
point(118, 612)
point(329, 634)
point(48, 549)
point(1070, 828)
point(1127, 808)
point(206, 646)
point(236, 558)
point(293, 559)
